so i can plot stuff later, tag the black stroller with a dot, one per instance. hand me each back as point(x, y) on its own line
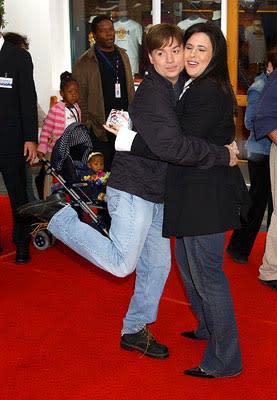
point(68, 161)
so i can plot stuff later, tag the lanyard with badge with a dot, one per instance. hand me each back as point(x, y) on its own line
point(117, 88)
point(6, 82)
point(74, 113)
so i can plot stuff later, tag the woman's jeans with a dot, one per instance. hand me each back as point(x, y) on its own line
point(135, 242)
point(200, 260)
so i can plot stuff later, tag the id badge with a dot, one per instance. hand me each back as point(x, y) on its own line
point(117, 91)
point(6, 83)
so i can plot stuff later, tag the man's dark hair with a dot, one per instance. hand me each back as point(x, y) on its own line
point(16, 39)
point(160, 35)
point(97, 20)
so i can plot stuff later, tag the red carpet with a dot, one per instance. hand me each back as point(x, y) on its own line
point(60, 321)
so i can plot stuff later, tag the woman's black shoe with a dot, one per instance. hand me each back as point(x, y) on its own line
point(191, 335)
point(198, 372)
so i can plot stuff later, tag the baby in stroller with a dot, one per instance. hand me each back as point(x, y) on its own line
point(68, 162)
point(95, 175)
point(73, 158)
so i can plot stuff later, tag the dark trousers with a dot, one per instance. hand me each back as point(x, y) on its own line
point(242, 240)
point(200, 260)
point(13, 172)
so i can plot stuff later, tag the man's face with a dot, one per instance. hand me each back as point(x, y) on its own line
point(104, 36)
point(168, 61)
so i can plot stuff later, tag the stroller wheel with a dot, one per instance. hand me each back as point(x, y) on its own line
point(43, 239)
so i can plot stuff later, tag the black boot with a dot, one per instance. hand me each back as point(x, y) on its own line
point(144, 342)
point(43, 209)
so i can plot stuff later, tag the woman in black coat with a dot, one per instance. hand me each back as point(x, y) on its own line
point(201, 204)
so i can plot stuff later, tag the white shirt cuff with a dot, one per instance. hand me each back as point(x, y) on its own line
point(124, 139)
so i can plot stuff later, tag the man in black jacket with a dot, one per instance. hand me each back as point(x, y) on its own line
point(135, 195)
point(18, 133)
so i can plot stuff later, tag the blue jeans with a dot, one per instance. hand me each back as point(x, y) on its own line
point(200, 260)
point(135, 242)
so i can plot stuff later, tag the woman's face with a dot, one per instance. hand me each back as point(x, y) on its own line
point(198, 54)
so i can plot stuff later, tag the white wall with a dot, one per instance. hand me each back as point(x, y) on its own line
point(46, 24)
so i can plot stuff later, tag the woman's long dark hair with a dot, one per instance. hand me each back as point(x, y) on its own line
point(217, 69)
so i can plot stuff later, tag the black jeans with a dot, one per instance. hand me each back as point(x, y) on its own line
point(242, 240)
point(13, 171)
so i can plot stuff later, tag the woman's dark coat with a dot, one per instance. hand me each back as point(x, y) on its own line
point(202, 201)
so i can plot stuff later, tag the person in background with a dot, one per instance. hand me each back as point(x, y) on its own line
point(242, 240)
point(17, 39)
point(265, 125)
point(22, 41)
point(19, 133)
point(59, 117)
point(105, 82)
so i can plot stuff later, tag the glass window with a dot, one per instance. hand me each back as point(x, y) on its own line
point(257, 33)
point(131, 19)
point(187, 13)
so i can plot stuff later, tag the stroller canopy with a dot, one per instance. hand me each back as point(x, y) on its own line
point(72, 149)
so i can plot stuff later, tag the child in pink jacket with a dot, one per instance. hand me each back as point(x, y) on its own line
point(59, 117)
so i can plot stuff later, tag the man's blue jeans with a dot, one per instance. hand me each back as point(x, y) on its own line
point(135, 242)
point(200, 260)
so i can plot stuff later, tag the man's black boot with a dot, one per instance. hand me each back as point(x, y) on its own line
point(43, 209)
point(144, 342)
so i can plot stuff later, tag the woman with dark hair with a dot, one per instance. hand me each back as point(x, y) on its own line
point(201, 204)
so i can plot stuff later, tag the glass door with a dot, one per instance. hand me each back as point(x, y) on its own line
point(251, 31)
point(131, 21)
